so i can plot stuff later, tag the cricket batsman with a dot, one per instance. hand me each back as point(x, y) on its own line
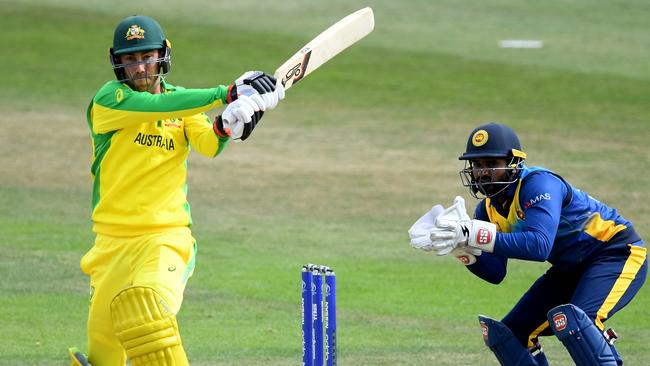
point(141, 130)
point(598, 262)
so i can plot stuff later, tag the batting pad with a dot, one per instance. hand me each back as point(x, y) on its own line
point(147, 330)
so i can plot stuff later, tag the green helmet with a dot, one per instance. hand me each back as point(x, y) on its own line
point(139, 33)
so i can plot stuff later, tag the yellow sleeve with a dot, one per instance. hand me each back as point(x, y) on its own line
point(201, 135)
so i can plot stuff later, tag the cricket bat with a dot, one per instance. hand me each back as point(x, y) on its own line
point(326, 45)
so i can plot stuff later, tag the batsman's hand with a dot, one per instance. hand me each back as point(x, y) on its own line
point(262, 88)
point(238, 119)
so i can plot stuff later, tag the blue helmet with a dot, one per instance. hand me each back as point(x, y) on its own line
point(492, 140)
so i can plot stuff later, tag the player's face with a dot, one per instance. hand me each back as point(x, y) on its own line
point(142, 70)
point(489, 170)
point(489, 167)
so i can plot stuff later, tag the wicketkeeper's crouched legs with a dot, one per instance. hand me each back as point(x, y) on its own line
point(508, 350)
point(147, 328)
point(578, 333)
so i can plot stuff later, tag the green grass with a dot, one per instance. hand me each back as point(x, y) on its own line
point(336, 175)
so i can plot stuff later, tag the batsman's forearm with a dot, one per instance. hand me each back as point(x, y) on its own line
point(118, 107)
point(201, 135)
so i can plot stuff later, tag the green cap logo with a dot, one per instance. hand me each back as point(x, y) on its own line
point(134, 32)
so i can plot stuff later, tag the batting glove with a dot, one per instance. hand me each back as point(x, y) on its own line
point(260, 87)
point(238, 119)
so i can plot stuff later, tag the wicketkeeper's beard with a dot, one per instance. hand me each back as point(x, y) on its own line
point(490, 188)
point(486, 187)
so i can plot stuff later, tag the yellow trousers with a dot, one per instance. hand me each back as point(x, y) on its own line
point(162, 261)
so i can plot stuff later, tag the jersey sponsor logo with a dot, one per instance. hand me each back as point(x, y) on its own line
point(154, 141)
point(174, 122)
point(559, 322)
point(536, 199)
point(483, 236)
point(134, 32)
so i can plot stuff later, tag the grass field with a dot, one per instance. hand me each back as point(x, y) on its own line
point(336, 175)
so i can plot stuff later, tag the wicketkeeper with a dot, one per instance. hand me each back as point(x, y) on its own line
point(142, 128)
point(531, 213)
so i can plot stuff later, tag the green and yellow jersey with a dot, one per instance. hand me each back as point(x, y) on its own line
point(141, 142)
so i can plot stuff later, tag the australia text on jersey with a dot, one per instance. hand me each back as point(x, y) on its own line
point(154, 140)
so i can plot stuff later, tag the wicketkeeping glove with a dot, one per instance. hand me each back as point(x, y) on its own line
point(444, 239)
point(466, 255)
point(475, 234)
point(420, 231)
point(420, 234)
point(454, 228)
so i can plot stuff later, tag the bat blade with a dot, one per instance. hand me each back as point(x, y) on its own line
point(326, 45)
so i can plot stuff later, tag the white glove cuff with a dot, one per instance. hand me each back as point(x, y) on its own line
point(483, 235)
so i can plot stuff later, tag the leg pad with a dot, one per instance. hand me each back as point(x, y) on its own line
point(147, 329)
point(499, 338)
point(580, 336)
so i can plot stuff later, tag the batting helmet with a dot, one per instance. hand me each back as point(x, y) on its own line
point(139, 33)
point(492, 140)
